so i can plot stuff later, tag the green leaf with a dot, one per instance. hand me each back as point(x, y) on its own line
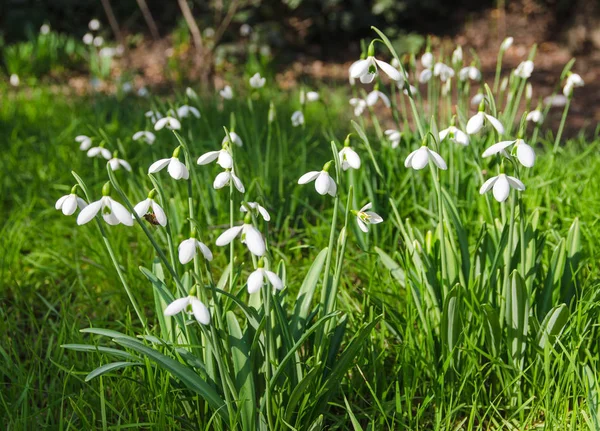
point(451, 319)
point(106, 368)
point(353, 420)
point(365, 140)
point(395, 270)
point(517, 318)
point(492, 329)
point(99, 349)
point(552, 325)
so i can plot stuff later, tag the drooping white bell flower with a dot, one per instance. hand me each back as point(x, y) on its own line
point(169, 122)
point(506, 43)
point(249, 235)
point(176, 169)
point(261, 276)
point(359, 106)
point(199, 310)
point(365, 217)
point(525, 154)
point(477, 99)
point(223, 158)
point(573, 80)
point(98, 41)
point(257, 81)
point(349, 158)
point(154, 116)
point(88, 38)
point(418, 159)
point(558, 100)
point(501, 186)
point(143, 92)
point(189, 248)
point(413, 90)
point(457, 56)
point(469, 72)
point(94, 25)
point(45, 29)
point(366, 70)
point(245, 30)
point(443, 71)
point(85, 142)
point(234, 137)
point(455, 135)
point(297, 118)
point(150, 206)
point(144, 136)
point(225, 177)
point(312, 96)
point(376, 95)
point(425, 76)
point(185, 110)
point(69, 203)
point(427, 60)
point(115, 164)
point(112, 211)
point(524, 69)
point(255, 206)
point(99, 152)
point(535, 116)
point(394, 137)
point(226, 93)
point(476, 122)
point(324, 184)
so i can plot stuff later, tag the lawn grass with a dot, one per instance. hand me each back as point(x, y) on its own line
point(56, 278)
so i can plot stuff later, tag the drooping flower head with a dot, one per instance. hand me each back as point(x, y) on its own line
point(256, 81)
point(192, 305)
point(364, 217)
point(224, 178)
point(501, 185)
point(257, 208)
point(144, 136)
point(261, 276)
point(524, 69)
point(176, 169)
point(455, 135)
point(297, 118)
point(85, 142)
point(418, 159)
point(226, 93)
point(115, 163)
point(366, 70)
point(394, 137)
point(324, 184)
point(150, 207)
point(249, 236)
point(524, 152)
point(477, 121)
point(112, 211)
point(348, 157)
point(69, 203)
point(169, 122)
point(573, 80)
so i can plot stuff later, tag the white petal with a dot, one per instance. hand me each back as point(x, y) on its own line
point(205, 251)
point(228, 236)
point(515, 183)
point(438, 160)
point(60, 201)
point(497, 124)
point(322, 183)
point(461, 138)
point(274, 279)
point(420, 159)
point(159, 213)
point(161, 123)
point(367, 78)
point(121, 213)
point(238, 183)
point(89, 212)
point(366, 207)
point(264, 213)
point(177, 306)
point(444, 133)
point(475, 123)
point(93, 152)
point(187, 250)
point(308, 177)
point(254, 240)
point(525, 154)
point(69, 205)
point(496, 148)
point(114, 164)
point(125, 165)
point(105, 153)
point(81, 203)
point(332, 187)
point(487, 185)
point(208, 157)
point(225, 160)
point(359, 68)
point(110, 218)
point(176, 169)
point(408, 160)
point(425, 76)
point(221, 180)
point(389, 70)
point(362, 225)
point(372, 98)
point(158, 165)
point(352, 158)
point(200, 311)
point(255, 281)
point(501, 188)
point(374, 218)
point(142, 207)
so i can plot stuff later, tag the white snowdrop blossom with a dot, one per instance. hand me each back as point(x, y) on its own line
point(324, 184)
point(245, 30)
point(45, 29)
point(112, 211)
point(359, 106)
point(297, 118)
point(573, 80)
point(150, 206)
point(477, 99)
point(199, 310)
point(249, 236)
point(169, 122)
point(364, 217)
point(188, 249)
point(469, 72)
point(528, 91)
point(501, 185)
point(374, 96)
point(94, 25)
point(418, 159)
point(535, 116)
point(425, 76)
point(226, 93)
point(506, 43)
point(144, 136)
point(476, 122)
point(69, 203)
point(176, 169)
point(154, 116)
point(88, 38)
point(443, 71)
point(394, 137)
point(14, 80)
point(184, 111)
point(234, 137)
point(225, 177)
point(557, 100)
point(99, 152)
point(85, 142)
point(255, 206)
point(98, 41)
point(260, 276)
point(143, 92)
point(257, 81)
point(427, 60)
point(455, 135)
point(413, 90)
point(349, 158)
point(366, 70)
point(312, 96)
point(525, 153)
point(223, 158)
point(457, 55)
point(524, 69)
point(116, 163)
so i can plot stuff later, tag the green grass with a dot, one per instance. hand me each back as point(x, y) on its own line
point(423, 366)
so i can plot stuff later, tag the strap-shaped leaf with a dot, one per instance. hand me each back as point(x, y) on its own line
point(107, 368)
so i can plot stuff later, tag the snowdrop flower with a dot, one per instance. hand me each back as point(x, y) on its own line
point(427, 60)
point(223, 158)
point(170, 122)
point(85, 142)
point(116, 163)
point(528, 91)
point(189, 92)
point(199, 310)
point(94, 25)
point(98, 41)
point(413, 90)
point(69, 203)
point(477, 99)
point(154, 116)
point(418, 159)
point(535, 116)
point(469, 72)
point(312, 96)
point(127, 87)
point(255, 206)
point(365, 217)
point(257, 81)
point(501, 186)
point(455, 135)
point(348, 157)
point(366, 70)
point(234, 137)
point(225, 177)
point(99, 152)
point(506, 43)
point(425, 76)
point(150, 206)
point(112, 211)
point(524, 69)
point(444, 72)
point(245, 30)
point(557, 100)
point(374, 96)
point(176, 169)
point(88, 38)
point(475, 123)
point(260, 276)
point(249, 235)
point(185, 110)
point(297, 118)
point(573, 80)
point(14, 80)
point(525, 153)
point(359, 106)
point(324, 184)
point(45, 29)
point(226, 93)
point(394, 137)
point(144, 136)
point(143, 92)
point(189, 248)
point(457, 55)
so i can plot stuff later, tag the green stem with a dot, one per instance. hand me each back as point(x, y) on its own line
point(562, 125)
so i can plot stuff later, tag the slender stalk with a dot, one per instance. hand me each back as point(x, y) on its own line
point(562, 125)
